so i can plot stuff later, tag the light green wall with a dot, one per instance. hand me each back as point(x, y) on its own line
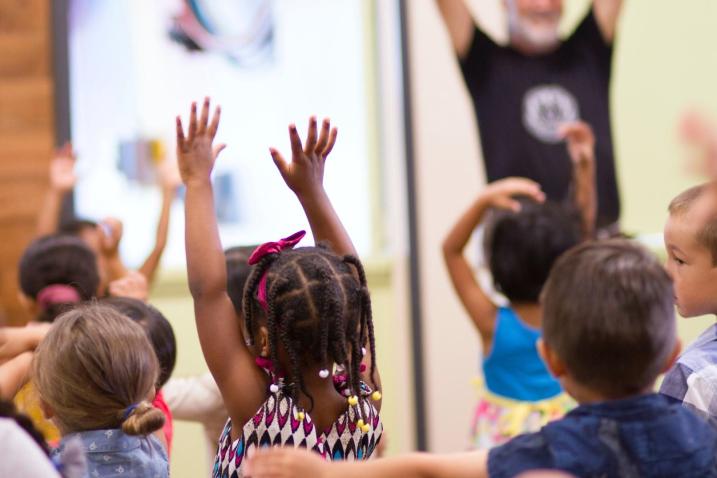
point(665, 63)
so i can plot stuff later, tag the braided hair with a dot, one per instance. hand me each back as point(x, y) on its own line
point(318, 310)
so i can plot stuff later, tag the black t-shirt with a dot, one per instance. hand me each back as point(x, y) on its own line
point(520, 100)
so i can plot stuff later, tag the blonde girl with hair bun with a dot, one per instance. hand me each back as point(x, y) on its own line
point(95, 373)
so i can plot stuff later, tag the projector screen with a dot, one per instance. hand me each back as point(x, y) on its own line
point(134, 65)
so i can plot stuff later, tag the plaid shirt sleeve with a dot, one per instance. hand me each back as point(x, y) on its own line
point(697, 390)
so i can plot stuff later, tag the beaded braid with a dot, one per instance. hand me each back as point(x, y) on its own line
point(366, 313)
point(315, 307)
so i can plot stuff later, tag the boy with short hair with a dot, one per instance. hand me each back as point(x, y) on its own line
point(691, 243)
point(608, 332)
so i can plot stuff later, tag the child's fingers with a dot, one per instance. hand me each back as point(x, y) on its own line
point(214, 125)
point(332, 141)
point(180, 133)
point(324, 136)
point(296, 149)
point(310, 145)
point(279, 160)
point(204, 118)
point(192, 123)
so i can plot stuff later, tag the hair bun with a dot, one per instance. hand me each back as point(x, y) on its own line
point(143, 420)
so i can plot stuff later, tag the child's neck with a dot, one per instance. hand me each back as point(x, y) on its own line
point(586, 396)
point(529, 312)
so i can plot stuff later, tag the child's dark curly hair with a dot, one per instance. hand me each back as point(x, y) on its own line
point(522, 247)
point(58, 260)
point(318, 310)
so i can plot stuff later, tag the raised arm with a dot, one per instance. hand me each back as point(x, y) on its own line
point(580, 141)
point(14, 374)
point(607, 14)
point(17, 340)
point(169, 184)
point(229, 360)
point(304, 175)
point(62, 180)
point(476, 302)
point(460, 24)
point(298, 463)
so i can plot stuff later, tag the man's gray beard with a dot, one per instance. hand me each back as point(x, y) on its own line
point(542, 39)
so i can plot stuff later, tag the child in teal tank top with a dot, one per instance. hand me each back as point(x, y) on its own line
point(522, 241)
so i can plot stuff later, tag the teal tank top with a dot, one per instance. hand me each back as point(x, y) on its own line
point(513, 369)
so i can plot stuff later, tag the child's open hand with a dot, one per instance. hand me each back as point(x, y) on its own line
point(580, 141)
point(286, 463)
point(62, 169)
point(195, 152)
point(305, 173)
point(134, 285)
point(502, 194)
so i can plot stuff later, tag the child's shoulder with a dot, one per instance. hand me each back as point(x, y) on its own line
point(702, 352)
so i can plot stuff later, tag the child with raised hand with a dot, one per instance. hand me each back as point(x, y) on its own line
point(104, 237)
point(305, 311)
point(96, 372)
point(523, 241)
point(608, 332)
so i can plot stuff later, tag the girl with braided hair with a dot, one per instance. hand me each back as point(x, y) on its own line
point(299, 368)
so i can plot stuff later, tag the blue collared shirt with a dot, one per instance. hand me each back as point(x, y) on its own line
point(644, 436)
point(114, 454)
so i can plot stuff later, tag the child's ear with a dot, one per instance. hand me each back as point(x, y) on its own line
point(672, 358)
point(555, 366)
point(263, 341)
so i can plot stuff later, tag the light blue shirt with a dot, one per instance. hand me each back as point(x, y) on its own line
point(114, 454)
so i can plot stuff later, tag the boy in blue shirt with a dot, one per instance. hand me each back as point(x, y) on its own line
point(608, 332)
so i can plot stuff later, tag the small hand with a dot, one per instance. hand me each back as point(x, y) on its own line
point(700, 133)
point(111, 234)
point(286, 463)
point(134, 285)
point(195, 153)
point(305, 173)
point(502, 194)
point(168, 177)
point(62, 169)
point(580, 141)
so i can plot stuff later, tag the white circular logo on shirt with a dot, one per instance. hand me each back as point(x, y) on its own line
point(545, 108)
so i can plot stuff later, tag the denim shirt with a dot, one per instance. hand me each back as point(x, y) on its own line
point(114, 454)
point(648, 435)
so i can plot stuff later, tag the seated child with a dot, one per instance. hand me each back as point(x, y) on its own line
point(300, 368)
point(691, 243)
point(161, 335)
point(103, 237)
point(519, 394)
point(95, 373)
point(524, 238)
point(608, 332)
point(56, 273)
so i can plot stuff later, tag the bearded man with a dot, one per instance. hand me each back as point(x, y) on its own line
point(524, 91)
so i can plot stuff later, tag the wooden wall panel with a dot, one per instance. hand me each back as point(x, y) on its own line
point(26, 135)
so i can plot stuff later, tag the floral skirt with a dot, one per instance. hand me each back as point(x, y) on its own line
point(498, 419)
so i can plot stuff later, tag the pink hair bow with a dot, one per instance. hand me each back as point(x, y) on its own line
point(269, 248)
